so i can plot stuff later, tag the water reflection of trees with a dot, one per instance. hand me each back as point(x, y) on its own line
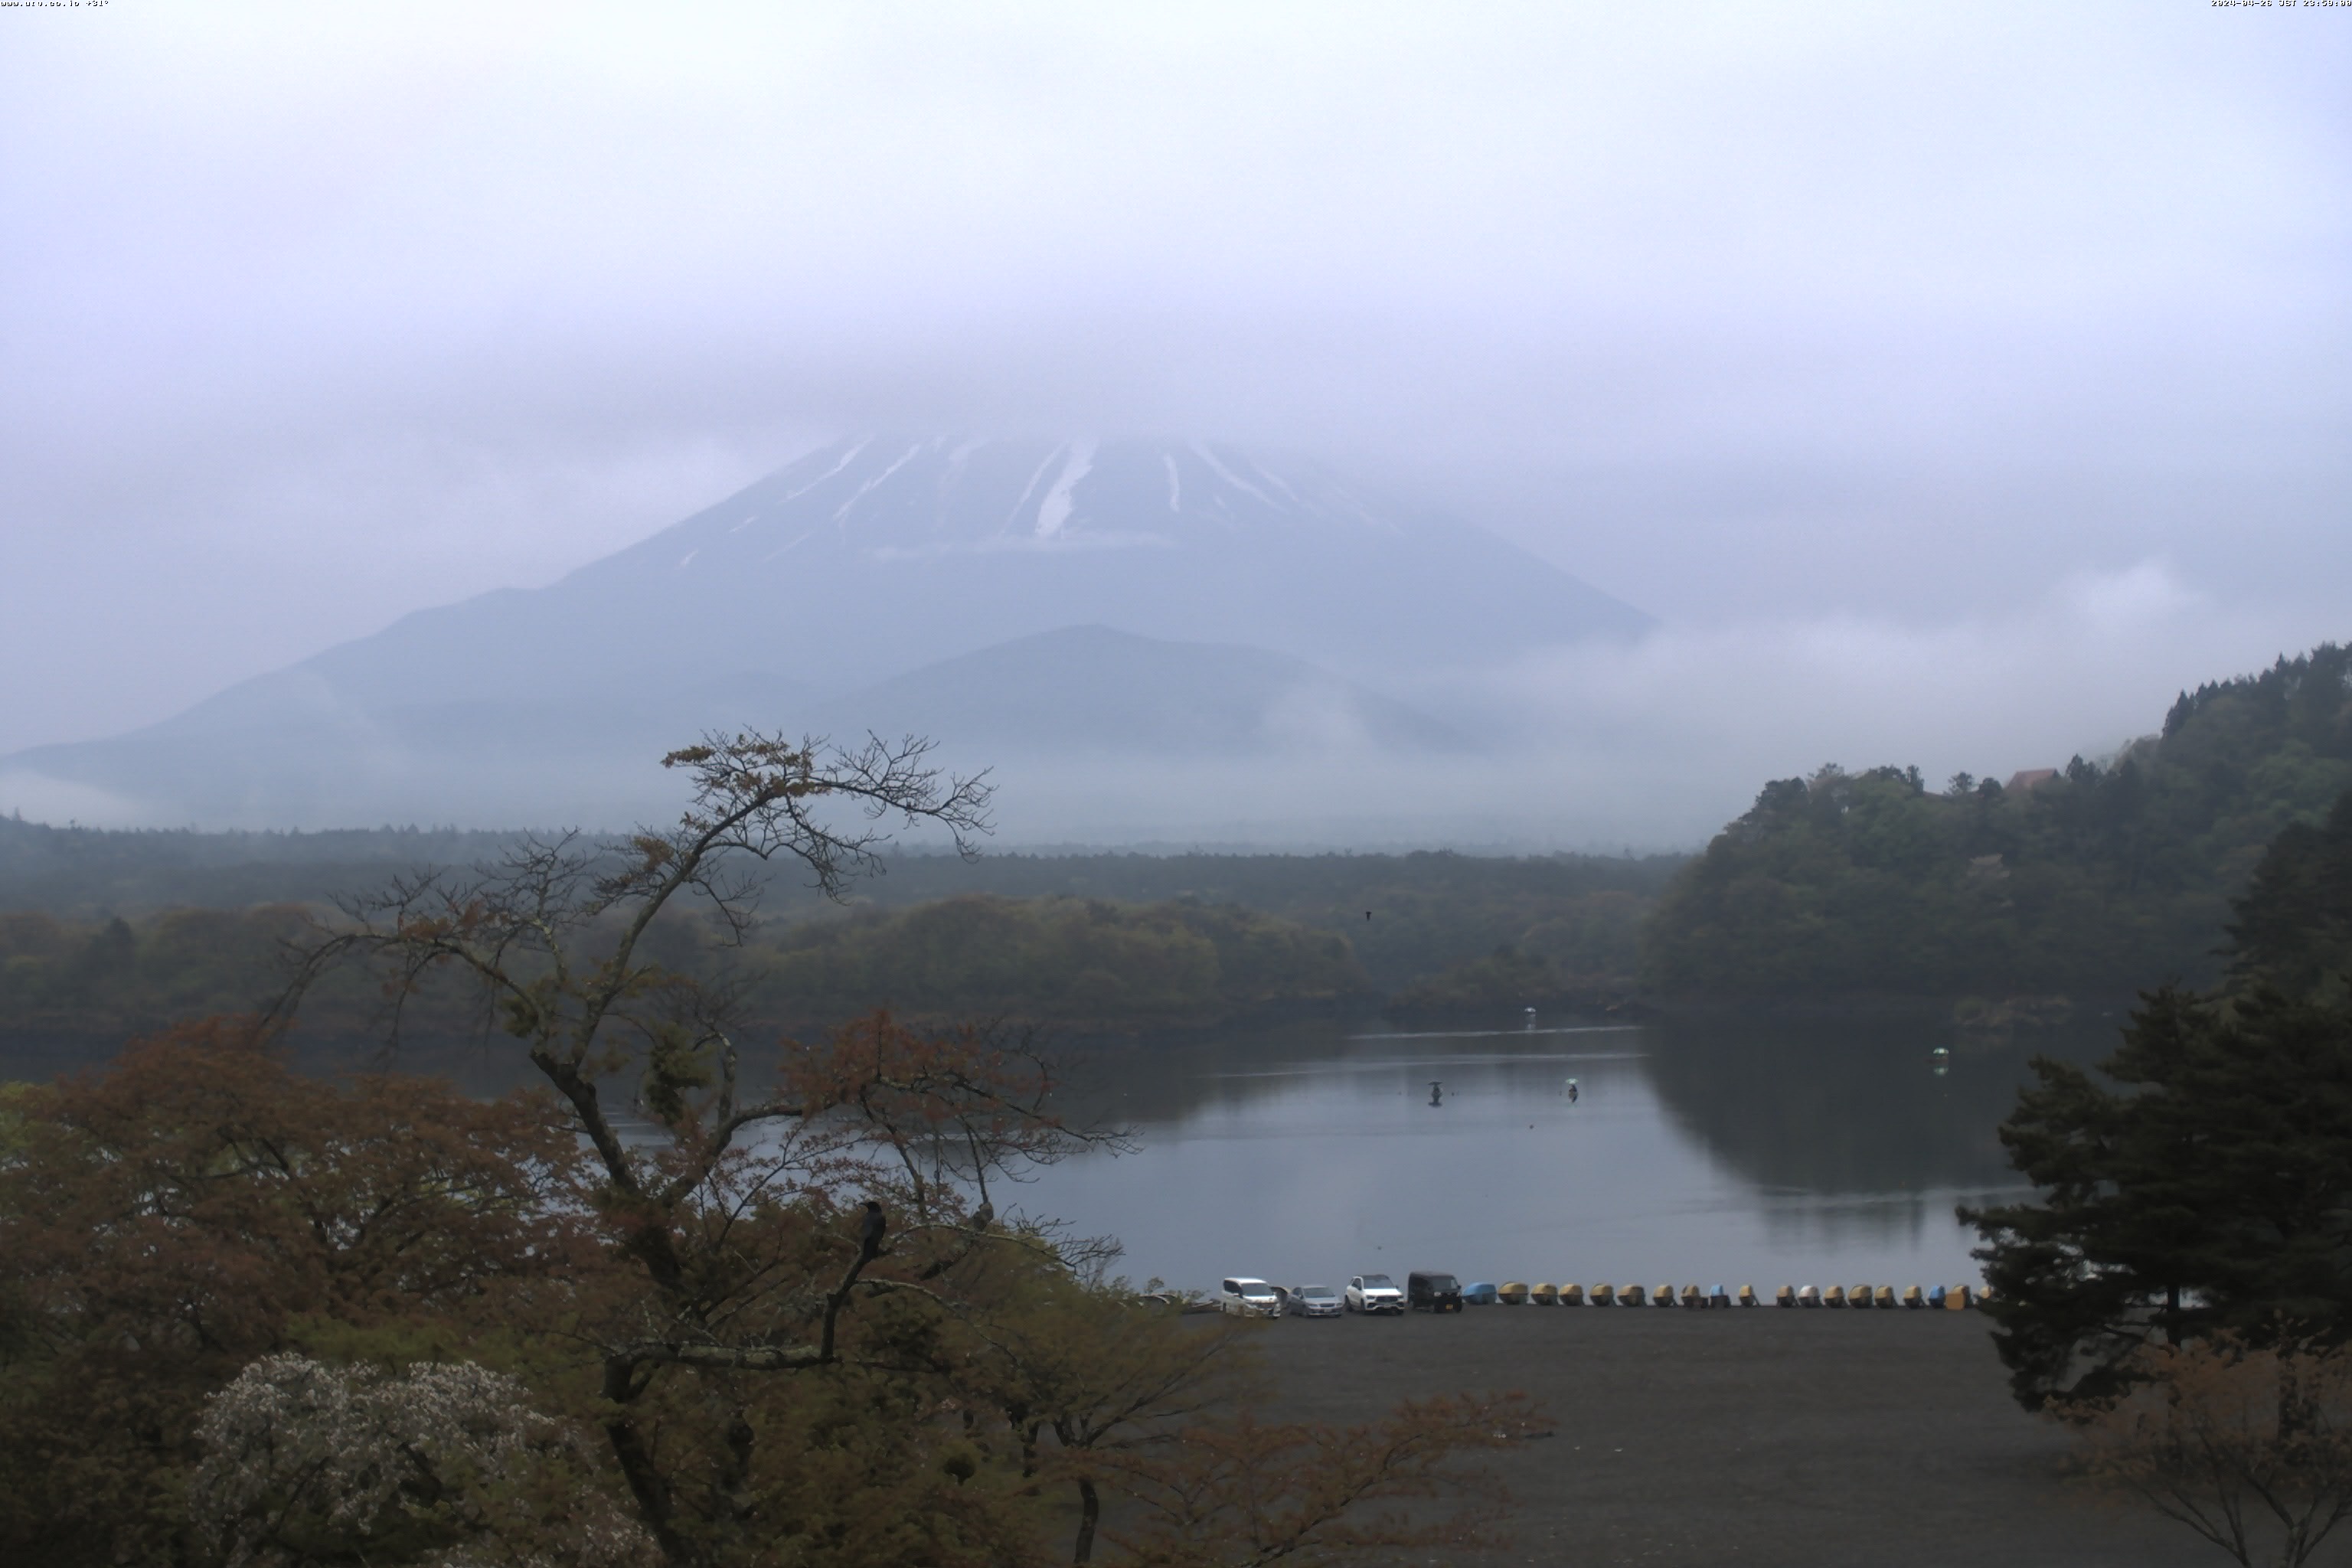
point(1177, 1078)
point(1826, 1107)
point(1848, 1105)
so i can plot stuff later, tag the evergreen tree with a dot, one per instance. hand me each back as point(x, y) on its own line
point(2205, 1185)
point(2294, 929)
point(2096, 880)
point(2210, 1188)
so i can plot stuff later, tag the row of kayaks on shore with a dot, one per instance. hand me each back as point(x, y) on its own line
point(1937, 1298)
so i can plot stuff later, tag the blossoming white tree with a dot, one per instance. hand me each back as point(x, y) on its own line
point(446, 1465)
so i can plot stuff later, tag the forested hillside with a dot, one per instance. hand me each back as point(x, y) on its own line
point(2106, 878)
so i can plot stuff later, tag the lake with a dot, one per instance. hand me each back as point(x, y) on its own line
point(1699, 1152)
point(1721, 1150)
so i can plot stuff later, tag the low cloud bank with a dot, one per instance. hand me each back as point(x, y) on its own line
point(1656, 744)
point(1652, 744)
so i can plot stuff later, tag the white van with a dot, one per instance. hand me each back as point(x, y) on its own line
point(1249, 1298)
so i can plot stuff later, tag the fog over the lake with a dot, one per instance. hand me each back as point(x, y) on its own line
point(1953, 384)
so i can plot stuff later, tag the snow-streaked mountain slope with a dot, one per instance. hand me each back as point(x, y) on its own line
point(981, 542)
point(869, 560)
point(871, 557)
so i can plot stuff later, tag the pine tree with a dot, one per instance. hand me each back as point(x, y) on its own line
point(2210, 1188)
point(2294, 929)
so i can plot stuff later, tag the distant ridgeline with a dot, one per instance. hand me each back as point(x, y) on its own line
point(84, 873)
point(2099, 878)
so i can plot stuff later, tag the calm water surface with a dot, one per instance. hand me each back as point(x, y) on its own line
point(1700, 1153)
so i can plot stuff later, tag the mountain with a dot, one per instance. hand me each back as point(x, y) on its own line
point(1121, 595)
point(1090, 688)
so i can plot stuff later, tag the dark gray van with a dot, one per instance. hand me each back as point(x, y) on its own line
point(1432, 1292)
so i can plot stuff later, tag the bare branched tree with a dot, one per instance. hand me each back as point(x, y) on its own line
point(553, 933)
point(2248, 1447)
point(732, 1212)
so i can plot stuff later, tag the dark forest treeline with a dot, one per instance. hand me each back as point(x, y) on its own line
point(1072, 960)
point(2105, 878)
point(1122, 940)
point(110, 979)
point(1057, 959)
point(84, 873)
point(1430, 909)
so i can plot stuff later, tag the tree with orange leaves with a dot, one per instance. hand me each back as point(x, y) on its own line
point(2247, 1445)
point(199, 1205)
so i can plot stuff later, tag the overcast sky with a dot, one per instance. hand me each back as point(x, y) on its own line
point(1990, 355)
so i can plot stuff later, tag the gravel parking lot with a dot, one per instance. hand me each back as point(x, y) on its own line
point(1752, 1435)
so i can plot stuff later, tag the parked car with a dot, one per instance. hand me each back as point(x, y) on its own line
point(1432, 1292)
point(1247, 1298)
point(1372, 1293)
point(1311, 1301)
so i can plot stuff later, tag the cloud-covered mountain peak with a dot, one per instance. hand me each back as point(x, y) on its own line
point(1220, 602)
point(884, 499)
